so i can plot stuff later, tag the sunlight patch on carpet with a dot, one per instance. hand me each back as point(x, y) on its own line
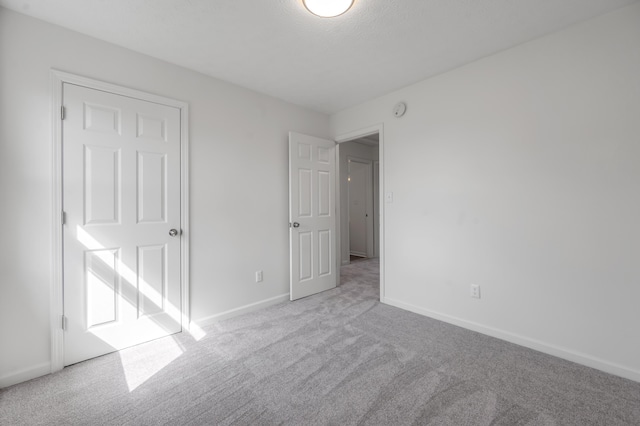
point(141, 363)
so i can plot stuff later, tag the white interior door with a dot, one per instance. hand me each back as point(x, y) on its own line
point(312, 215)
point(376, 209)
point(121, 197)
point(359, 195)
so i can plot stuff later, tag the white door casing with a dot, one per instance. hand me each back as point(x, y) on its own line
point(121, 183)
point(312, 215)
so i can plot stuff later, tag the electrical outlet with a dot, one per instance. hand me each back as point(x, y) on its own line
point(258, 276)
point(475, 291)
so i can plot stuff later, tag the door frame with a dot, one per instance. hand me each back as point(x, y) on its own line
point(58, 78)
point(369, 243)
point(347, 137)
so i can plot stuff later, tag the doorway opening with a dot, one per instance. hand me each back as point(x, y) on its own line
point(319, 242)
point(360, 213)
point(359, 218)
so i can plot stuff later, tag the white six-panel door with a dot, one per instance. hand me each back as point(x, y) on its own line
point(312, 215)
point(121, 198)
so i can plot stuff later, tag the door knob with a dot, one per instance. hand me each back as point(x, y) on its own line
point(173, 232)
point(296, 225)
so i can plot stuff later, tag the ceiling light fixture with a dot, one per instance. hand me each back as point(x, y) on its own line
point(327, 8)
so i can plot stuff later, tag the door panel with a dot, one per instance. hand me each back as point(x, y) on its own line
point(311, 205)
point(101, 286)
point(151, 188)
point(304, 196)
point(152, 263)
point(324, 193)
point(121, 196)
point(306, 256)
point(324, 251)
point(102, 185)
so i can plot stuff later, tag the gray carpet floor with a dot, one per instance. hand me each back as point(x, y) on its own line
point(337, 358)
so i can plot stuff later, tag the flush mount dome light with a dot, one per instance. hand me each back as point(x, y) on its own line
point(327, 8)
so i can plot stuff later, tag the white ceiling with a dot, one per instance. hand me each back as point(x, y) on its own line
point(276, 47)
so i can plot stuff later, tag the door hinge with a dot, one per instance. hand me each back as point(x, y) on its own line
point(62, 112)
point(64, 323)
point(64, 217)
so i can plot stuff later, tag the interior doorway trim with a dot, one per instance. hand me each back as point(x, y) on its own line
point(58, 78)
point(350, 136)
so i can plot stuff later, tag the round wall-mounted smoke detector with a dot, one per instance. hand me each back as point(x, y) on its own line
point(399, 109)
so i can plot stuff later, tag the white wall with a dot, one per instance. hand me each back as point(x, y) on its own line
point(349, 149)
point(521, 173)
point(239, 179)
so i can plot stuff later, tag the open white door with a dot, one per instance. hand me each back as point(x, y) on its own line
point(121, 186)
point(312, 215)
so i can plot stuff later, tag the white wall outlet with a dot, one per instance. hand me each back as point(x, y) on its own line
point(475, 291)
point(389, 197)
point(258, 276)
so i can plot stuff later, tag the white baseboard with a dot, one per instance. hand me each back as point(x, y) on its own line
point(25, 374)
point(550, 349)
point(242, 310)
